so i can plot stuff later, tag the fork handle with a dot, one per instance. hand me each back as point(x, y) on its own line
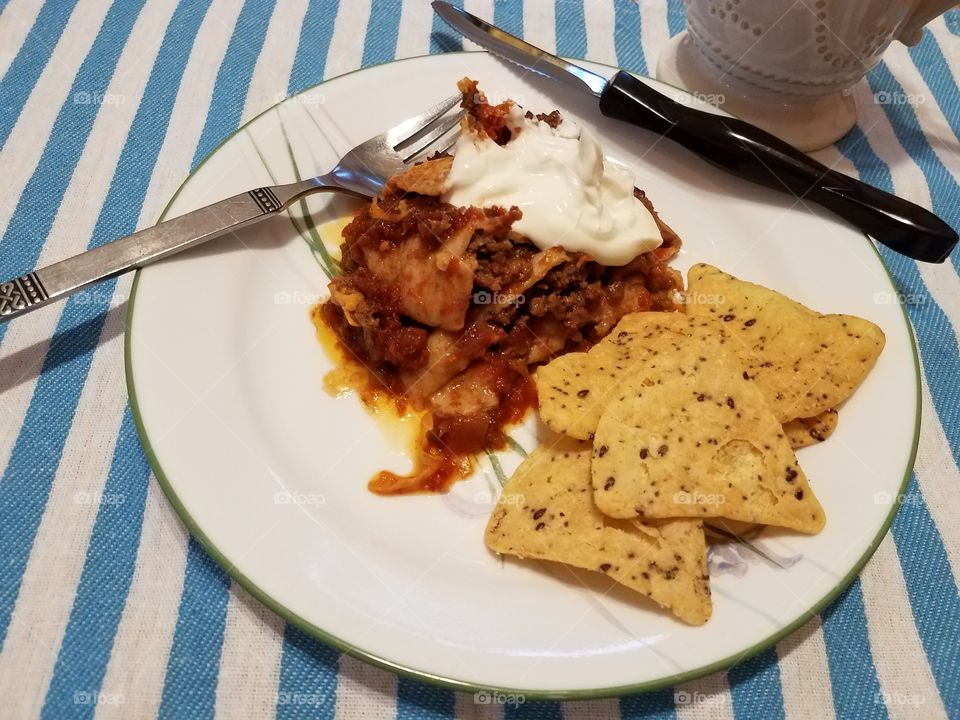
point(40, 287)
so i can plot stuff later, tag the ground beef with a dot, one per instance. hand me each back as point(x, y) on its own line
point(552, 119)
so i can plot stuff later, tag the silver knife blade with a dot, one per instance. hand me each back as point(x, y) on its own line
point(517, 51)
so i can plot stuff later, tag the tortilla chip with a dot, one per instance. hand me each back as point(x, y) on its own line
point(427, 178)
point(546, 512)
point(699, 441)
point(572, 392)
point(804, 362)
point(810, 431)
point(574, 389)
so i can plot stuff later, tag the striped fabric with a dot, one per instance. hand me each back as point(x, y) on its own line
point(109, 609)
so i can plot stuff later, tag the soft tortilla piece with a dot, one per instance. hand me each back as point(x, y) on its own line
point(546, 512)
point(699, 441)
point(427, 178)
point(434, 280)
point(574, 389)
point(804, 362)
point(810, 431)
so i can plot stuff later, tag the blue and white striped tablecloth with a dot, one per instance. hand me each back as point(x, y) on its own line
point(107, 608)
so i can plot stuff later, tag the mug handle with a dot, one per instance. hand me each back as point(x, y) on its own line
point(911, 30)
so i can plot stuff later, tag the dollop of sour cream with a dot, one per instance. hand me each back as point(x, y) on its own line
point(569, 193)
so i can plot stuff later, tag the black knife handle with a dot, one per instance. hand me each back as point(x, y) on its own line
point(753, 154)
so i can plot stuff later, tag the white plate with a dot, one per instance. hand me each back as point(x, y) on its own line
point(269, 471)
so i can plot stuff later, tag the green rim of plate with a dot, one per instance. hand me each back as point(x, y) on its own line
point(439, 680)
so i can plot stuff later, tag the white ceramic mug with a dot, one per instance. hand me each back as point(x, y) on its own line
point(788, 65)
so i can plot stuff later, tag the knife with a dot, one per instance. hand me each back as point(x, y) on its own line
point(736, 146)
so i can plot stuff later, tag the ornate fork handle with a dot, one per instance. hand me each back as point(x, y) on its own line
point(35, 289)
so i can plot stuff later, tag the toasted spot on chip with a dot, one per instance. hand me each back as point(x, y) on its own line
point(810, 431)
point(546, 512)
point(700, 442)
point(427, 178)
point(803, 361)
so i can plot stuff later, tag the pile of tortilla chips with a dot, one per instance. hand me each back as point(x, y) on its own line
point(676, 419)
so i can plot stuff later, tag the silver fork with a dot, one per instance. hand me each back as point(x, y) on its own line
point(362, 172)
